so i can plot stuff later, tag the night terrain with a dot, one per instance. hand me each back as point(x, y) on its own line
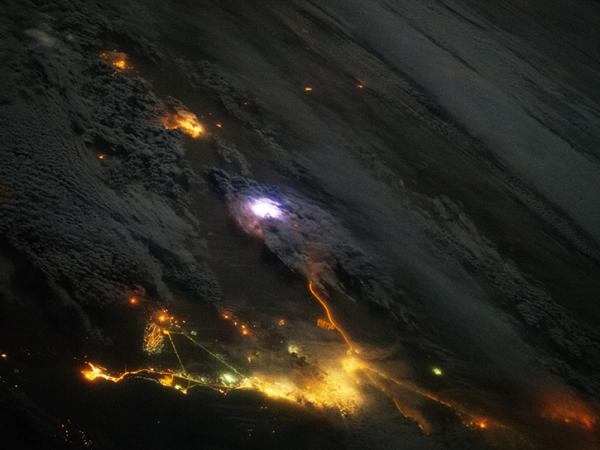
point(300, 224)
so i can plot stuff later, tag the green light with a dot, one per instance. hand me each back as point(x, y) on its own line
point(437, 371)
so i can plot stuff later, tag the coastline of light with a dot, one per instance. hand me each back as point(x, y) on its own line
point(266, 208)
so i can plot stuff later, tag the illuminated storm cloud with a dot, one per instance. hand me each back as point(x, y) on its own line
point(265, 208)
point(306, 238)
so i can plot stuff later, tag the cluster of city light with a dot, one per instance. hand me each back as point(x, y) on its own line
point(362, 371)
point(334, 389)
point(338, 386)
point(177, 380)
point(342, 381)
point(118, 60)
point(185, 121)
point(95, 372)
point(154, 339)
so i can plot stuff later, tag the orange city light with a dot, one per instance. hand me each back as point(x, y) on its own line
point(482, 424)
point(95, 372)
point(185, 121)
point(118, 60)
point(565, 407)
point(325, 324)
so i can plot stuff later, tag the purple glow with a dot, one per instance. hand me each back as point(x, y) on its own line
point(266, 208)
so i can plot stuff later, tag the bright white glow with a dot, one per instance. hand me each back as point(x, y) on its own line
point(293, 348)
point(264, 207)
point(228, 379)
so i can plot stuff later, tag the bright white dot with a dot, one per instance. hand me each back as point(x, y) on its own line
point(264, 207)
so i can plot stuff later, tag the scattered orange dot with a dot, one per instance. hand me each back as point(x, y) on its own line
point(226, 316)
point(245, 332)
point(162, 317)
point(308, 89)
point(219, 125)
point(133, 300)
point(4, 355)
point(101, 156)
point(281, 322)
